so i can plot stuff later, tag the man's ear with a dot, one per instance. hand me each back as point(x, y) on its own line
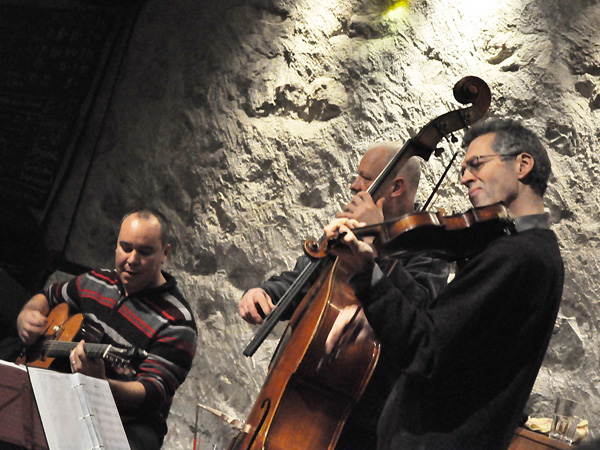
point(166, 252)
point(398, 187)
point(526, 163)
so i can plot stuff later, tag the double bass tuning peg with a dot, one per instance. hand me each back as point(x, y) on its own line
point(452, 139)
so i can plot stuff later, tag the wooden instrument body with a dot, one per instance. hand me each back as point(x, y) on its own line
point(60, 327)
point(63, 333)
point(307, 395)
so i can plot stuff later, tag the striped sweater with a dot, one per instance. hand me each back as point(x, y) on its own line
point(157, 320)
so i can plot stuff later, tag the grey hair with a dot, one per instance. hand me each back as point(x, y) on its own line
point(512, 137)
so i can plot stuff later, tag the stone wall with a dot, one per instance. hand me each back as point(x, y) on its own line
point(244, 120)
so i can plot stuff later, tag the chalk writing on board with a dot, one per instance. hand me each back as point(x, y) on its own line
point(51, 59)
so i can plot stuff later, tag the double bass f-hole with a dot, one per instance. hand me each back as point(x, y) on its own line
point(265, 408)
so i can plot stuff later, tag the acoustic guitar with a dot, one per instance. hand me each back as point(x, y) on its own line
point(62, 335)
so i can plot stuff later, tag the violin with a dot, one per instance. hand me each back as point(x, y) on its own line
point(452, 237)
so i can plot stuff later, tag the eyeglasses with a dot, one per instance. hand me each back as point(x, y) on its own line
point(475, 163)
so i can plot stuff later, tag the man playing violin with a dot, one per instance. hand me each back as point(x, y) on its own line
point(466, 363)
point(419, 274)
point(136, 305)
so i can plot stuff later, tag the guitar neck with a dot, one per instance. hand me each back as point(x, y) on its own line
point(55, 349)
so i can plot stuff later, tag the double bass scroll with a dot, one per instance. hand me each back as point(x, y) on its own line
point(468, 90)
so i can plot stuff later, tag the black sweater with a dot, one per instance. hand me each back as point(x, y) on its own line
point(466, 364)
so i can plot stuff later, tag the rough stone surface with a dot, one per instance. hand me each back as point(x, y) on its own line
point(244, 122)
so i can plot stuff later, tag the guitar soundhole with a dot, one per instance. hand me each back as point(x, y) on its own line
point(91, 332)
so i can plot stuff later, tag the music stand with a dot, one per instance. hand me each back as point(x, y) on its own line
point(20, 422)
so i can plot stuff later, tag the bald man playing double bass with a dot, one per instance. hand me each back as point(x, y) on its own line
point(420, 275)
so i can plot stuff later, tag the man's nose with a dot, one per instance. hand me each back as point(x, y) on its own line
point(133, 257)
point(466, 176)
point(360, 185)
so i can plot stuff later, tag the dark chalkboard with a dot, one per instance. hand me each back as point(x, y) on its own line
point(51, 62)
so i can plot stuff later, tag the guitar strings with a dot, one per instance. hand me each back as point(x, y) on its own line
point(60, 347)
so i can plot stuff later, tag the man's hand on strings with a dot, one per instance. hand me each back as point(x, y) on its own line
point(93, 367)
point(31, 324)
point(356, 254)
point(33, 319)
point(350, 326)
point(255, 305)
point(363, 209)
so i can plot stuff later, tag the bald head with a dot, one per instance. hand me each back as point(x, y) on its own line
point(411, 171)
point(380, 154)
point(401, 196)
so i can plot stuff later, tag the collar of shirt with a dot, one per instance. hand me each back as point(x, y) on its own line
point(523, 223)
point(166, 286)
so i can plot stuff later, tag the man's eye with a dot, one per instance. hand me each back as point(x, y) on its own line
point(474, 165)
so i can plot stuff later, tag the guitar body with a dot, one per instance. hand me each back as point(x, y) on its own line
point(62, 335)
point(61, 328)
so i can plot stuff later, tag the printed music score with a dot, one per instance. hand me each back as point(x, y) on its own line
point(78, 412)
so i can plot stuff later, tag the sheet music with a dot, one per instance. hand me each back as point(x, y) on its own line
point(13, 365)
point(78, 412)
point(104, 410)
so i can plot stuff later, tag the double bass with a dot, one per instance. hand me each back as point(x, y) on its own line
point(308, 395)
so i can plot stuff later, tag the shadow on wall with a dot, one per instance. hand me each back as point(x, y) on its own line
point(23, 253)
point(23, 261)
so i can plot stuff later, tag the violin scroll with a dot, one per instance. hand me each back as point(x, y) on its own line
point(315, 249)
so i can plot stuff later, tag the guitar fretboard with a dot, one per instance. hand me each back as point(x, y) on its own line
point(62, 348)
